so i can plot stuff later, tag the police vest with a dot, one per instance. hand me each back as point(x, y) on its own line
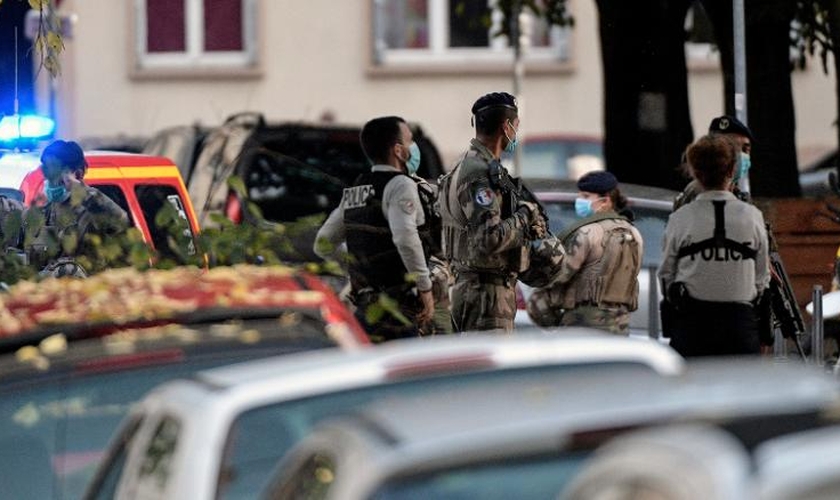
point(431, 230)
point(375, 261)
point(718, 247)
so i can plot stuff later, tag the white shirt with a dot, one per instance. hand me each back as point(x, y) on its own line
point(716, 275)
point(401, 208)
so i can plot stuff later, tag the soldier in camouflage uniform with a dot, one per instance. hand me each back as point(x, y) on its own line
point(598, 282)
point(74, 216)
point(486, 232)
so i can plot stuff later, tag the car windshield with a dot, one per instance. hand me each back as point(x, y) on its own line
point(260, 437)
point(649, 221)
point(547, 158)
point(535, 478)
point(55, 423)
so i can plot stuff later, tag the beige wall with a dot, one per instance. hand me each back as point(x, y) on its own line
point(310, 66)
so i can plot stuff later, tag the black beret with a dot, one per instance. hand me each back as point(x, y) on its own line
point(597, 182)
point(69, 153)
point(494, 100)
point(729, 125)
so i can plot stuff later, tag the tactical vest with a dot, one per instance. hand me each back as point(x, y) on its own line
point(431, 230)
point(718, 241)
point(375, 262)
point(457, 233)
point(613, 279)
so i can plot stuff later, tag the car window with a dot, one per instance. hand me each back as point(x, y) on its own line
point(156, 461)
point(115, 193)
point(551, 158)
point(532, 478)
point(260, 437)
point(649, 221)
point(106, 484)
point(155, 197)
point(286, 189)
point(312, 480)
point(71, 411)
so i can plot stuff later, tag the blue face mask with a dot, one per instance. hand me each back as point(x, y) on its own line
point(512, 143)
point(743, 167)
point(413, 161)
point(583, 207)
point(54, 193)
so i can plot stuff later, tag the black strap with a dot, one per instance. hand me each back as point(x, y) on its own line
point(719, 239)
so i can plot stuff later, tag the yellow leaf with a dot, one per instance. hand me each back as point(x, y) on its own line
point(54, 41)
point(38, 4)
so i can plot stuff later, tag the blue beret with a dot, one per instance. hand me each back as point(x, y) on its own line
point(729, 125)
point(597, 182)
point(494, 100)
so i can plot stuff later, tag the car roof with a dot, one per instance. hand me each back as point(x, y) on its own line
point(723, 386)
point(124, 298)
point(789, 466)
point(401, 359)
point(549, 189)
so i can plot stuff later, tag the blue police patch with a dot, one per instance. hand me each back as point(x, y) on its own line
point(484, 197)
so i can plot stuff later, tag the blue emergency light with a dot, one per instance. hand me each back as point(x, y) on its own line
point(25, 127)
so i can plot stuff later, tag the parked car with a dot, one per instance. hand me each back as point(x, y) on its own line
point(290, 170)
point(529, 438)
point(559, 156)
point(219, 433)
point(75, 355)
point(678, 462)
point(651, 206)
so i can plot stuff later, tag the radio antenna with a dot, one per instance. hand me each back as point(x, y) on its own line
point(17, 102)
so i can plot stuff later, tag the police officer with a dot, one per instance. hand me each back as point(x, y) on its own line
point(597, 285)
point(74, 216)
point(743, 138)
point(715, 258)
point(486, 230)
point(378, 219)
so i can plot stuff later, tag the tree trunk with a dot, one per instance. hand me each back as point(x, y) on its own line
point(646, 113)
point(833, 9)
point(770, 110)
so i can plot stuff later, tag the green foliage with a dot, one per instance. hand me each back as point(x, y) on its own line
point(811, 32)
point(48, 41)
point(555, 12)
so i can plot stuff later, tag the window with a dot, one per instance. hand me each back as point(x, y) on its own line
point(190, 34)
point(450, 31)
point(700, 45)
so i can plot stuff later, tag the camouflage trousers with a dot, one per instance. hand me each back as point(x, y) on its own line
point(482, 306)
point(613, 320)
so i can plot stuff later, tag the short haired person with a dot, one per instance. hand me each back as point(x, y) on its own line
point(715, 261)
point(743, 138)
point(486, 234)
point(597, 285)
point(74, 216)
point(379, 219)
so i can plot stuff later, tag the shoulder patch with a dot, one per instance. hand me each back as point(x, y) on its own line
point(407, 206)
point(484, 196)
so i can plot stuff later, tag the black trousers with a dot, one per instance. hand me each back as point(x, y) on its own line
point(703, 328)
point(380, 324)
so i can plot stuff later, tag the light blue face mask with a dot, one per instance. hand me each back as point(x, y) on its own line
point(512, 143)
point(743, 167)
point(583, 207)
point(54, 193)
point(413, 161)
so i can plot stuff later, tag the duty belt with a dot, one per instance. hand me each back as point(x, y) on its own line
point(486, 278)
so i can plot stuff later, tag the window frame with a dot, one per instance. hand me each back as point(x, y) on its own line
point(195, 59)
point(497, 56)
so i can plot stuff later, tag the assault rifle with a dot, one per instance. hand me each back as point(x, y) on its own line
point(784, 309)
point(513, 189)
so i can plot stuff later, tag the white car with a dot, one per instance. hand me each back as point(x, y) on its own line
point(529, 439)
point(218, 434)
point(651, 207)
